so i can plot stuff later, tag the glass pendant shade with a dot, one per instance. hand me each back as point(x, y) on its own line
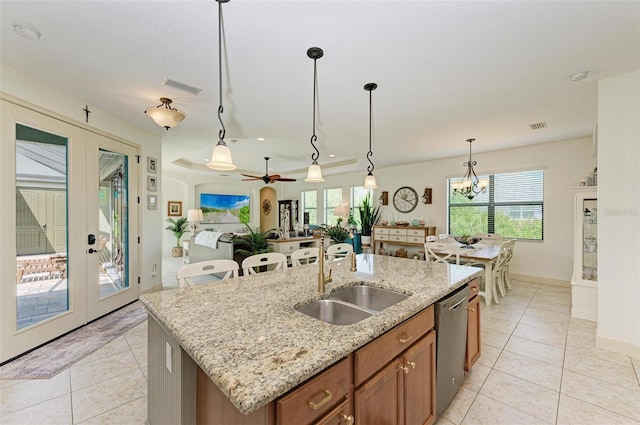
point(164, 115)
point(221, 158)
point(370, 182)
point(314, 174)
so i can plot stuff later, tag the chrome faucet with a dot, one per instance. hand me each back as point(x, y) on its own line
point(322, 279)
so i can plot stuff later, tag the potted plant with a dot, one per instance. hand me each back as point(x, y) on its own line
point(368, 218)
point(177, 228)
point(337, 233)
point(252, 243)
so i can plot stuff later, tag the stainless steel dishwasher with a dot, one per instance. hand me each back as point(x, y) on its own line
point(451, 345)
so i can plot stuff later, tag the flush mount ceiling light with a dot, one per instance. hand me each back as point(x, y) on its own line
point(370, 180)
point(221, 156)
point(314, 174)
point(579, 76)
point(27, 32)
point(164, 115)
point(470, 185)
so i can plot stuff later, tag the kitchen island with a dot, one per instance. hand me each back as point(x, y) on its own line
point(247, 337)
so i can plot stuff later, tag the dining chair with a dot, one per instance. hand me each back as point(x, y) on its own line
point(338, 250)
point(437, 252)
point(505, 268)
point(499, 267)
point(211, 268)
point(443, 237)
point(250, 264)
point(489, 238)
point(432, 238)
point(308, 255)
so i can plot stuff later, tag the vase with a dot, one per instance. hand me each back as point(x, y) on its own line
point(176, 251)
point(366, 240)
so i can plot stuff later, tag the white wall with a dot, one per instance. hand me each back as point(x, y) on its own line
point(23, 87)
point(564, 162)
point(619, 213)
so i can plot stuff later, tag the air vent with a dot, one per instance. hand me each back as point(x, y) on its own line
point(181, 86)
point(538, 125)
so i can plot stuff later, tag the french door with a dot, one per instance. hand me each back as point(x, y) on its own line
point(69, 233)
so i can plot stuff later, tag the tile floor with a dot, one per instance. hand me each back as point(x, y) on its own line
point(538, 366)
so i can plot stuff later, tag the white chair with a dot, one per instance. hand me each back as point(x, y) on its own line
point(308, 255)
point(338, 250)
point(432, 238)
point(505, 268)
point(249, 264)
point(437, 253)
point(212, 268)
point(498, 269)
point(489, 238)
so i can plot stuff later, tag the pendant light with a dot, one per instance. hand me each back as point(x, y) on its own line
point(370, 180)
point(314, 174)
point(221, 156)
point(470, 185)
point(164, 115)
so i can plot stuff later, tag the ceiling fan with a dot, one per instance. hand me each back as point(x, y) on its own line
point(267, 179)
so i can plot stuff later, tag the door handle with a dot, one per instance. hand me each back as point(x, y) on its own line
point(44, 228)
point(93, 251)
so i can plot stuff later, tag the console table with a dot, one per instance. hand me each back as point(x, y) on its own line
point(400, 235)
point(288, 245)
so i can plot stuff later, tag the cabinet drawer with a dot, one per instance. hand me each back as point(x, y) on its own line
point(338, 416)
point(380, 231)
point(382, 237)
point(398, 238)
point(383, 349)
point(474, 287)
point(318, 396)
point(415, 239)
point(416, 232)
point(402, 232)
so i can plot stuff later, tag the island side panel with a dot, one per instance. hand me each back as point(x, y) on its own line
point(171, 394)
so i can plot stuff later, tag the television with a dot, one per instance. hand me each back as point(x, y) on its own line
point(221, 208)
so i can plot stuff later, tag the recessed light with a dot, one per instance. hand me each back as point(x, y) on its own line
point(27, 32)
point(578, 76)
point(206, 159)
point(332, 156)
point(260, 139)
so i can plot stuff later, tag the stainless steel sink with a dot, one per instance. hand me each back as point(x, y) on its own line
point(334, 312)
point(369, 297)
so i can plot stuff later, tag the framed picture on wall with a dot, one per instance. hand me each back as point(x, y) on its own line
point(152, 202)
point(152, 165)
point(152, 184)
point(174, 208)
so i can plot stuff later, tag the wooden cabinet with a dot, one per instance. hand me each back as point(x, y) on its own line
point(288, 214)
point(584, 281)
point(400, 235)
point(473, 326)
point(287, 246)
point(401, 391)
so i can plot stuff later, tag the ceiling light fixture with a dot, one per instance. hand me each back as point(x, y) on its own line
point(27, 32)
point(470, 185)
point(164, 115)
point(578, 76)
point(221, 156)
point(314, 174)
point(370, 180)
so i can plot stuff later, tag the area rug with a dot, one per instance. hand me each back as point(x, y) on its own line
point(47, 361)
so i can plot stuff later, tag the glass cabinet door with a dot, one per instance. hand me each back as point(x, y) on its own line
point(589, 239)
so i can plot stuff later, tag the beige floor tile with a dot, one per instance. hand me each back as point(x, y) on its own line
point(581, 338)
point(503, 326)
point(602, 394)
point(527, 397)
point(530, 370)
point(137, 336)
point(108, 395)
point(493, 338)
point(636, 366)
point(142, 357)
point(116, 346)
point(535, 350)
point(547, 315)
point(559, 298)
point(496, 313)
point(460, 405)
point(33, 391)
point(544, 323)
point(576, 412)
point(554, 338)
point(557, 308)
point(477, 376)
point(443, 421)
point(55, 411)
point(88, 374)
point(552, 289)
point(613, 373)
point(132, 413)
point(488, 355)
point(581, 323)
point(486, 411)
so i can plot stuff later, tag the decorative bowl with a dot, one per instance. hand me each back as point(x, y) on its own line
point(467, 240)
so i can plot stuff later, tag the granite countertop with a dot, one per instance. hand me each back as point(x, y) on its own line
point(246, 335)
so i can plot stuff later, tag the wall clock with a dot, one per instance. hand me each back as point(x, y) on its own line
point(405, 199)
point(266, 207)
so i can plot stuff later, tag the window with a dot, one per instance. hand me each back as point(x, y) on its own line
point(357, 196)
point(310, 206)
point(512, 206)
point(332, 199)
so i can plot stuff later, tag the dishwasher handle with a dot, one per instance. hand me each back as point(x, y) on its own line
point(453, 307)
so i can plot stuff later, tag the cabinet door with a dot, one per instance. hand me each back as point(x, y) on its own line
point(473, 334)
point(341, 415)
point(379, 401)
point(420, 381)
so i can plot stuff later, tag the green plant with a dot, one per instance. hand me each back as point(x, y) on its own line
point(337, 233)
point(351, 222)
point(177, 228)
point(255, 241)
point(369, 215)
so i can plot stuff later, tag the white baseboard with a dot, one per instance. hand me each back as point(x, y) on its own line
point(619, 347)
point(540, 279)
point(584, 314)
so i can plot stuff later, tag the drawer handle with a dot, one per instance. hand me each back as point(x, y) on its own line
point(405, 369)
point(412, 364)
point(474, 288)
point(470, 309)
point(405, 338)
point(325, 400)
point(348, 420)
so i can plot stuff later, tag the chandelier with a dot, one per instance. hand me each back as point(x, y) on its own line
point(370, 180)
point(164, 115)
point(470, 185)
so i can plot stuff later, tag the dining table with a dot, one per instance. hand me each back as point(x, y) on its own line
point(484, 254)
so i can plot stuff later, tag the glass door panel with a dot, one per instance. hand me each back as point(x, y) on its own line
point(589, 239)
